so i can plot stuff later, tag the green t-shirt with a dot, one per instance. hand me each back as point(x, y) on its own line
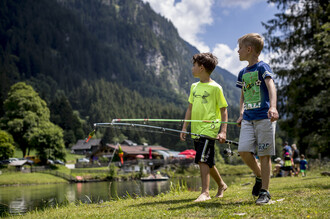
point(206, 100)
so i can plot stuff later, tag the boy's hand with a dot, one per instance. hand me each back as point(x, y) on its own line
point(239, 120)
point(273, 114)
point(183, 135)
point(222, 137)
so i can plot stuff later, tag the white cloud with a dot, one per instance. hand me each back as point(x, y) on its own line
point(188, 16)
point(229, 59)
point(244, 4)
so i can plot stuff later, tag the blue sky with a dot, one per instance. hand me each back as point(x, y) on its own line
point(215, 25)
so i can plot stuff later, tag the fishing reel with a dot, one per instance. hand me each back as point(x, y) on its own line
point(228, 152)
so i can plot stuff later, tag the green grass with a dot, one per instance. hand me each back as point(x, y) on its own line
point(19, 154)
point(295, 197)
point(70, 158)
point(18, 178)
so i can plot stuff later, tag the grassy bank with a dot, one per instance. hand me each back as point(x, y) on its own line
point(17, 178)
point(294, 197)
point(70, 158)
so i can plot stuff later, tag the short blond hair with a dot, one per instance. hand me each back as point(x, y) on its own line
point(254, 40)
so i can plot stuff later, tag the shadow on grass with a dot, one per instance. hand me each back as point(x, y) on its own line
point(165, 202)
point(214, 203)
point(228, 205)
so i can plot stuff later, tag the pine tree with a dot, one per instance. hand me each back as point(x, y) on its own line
point(300, 37)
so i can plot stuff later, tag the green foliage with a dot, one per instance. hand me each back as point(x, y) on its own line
point(180, 186)
point(61, 113)
point(27, 119)
point(24, 110)
point(300, 37)
point(7, 147)
point(47, 139)
point(112, 171)
point(140, 173)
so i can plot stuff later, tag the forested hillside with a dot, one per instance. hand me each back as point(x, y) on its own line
point(95, 60)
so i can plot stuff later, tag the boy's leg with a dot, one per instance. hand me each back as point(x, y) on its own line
point(266, 166)
point(221, 184)
point(205, 177)
point(265, 130)
point(246, 149)
point(205, 159)
point(251, 162)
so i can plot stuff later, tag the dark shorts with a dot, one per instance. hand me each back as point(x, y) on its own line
point(204, 151)
point(287, 168)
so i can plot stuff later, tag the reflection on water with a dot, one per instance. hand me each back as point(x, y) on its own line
point(21, 199)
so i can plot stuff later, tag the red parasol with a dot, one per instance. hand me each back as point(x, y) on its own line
point(190, 153)
point(150, 155)
point(140, 156)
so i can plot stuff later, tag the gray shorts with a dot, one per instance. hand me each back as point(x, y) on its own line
point(257, 135)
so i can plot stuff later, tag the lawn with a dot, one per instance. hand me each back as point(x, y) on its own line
point(18, 178)
point(293, 197)
point(70, 158)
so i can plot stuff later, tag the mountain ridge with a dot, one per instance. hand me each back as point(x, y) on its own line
point(65, 46)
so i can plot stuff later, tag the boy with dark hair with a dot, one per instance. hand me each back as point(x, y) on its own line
point(206, 102)
point(258, 114)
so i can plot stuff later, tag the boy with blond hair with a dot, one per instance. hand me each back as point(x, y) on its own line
point(206, 102)
point(258, 114)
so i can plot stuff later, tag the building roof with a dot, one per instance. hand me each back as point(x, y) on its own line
point(18, 163)
point(128, 142)
point(83, 145)
point(139, 149)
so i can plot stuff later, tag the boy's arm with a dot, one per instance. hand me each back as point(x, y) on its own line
point(272, 112)
point(241, 109)
point(224, 118)
point(185, 124)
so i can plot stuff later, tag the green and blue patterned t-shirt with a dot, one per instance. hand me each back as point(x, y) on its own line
point(256, 98)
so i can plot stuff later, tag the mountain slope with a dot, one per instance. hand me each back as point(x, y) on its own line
point(90, 47)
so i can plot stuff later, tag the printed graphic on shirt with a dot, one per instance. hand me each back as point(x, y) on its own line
point(251, 90)
point(204, 96)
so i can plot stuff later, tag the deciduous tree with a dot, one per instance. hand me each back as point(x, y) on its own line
point(6, 145)
point(27, 119)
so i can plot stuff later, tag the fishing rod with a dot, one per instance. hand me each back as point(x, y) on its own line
point(162, 129)
point(172, 120)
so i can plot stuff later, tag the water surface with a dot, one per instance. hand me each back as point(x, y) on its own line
point(21, 199)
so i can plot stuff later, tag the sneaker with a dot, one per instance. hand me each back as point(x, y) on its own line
point(257, 187)
point(264, 197)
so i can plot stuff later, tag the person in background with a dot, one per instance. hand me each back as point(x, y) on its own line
point(258, 114)
point(288, 165)
point(303, 165)
point(277, 172)
point(287, 149)
point(296, 159)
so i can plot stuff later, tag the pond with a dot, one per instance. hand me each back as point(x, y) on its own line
point(21, 199)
